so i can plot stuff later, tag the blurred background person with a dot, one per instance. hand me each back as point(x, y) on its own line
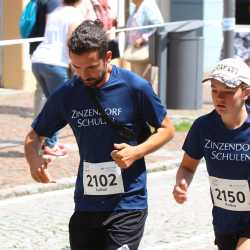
point(102, 9)
point(105, 13)
point(143, 12)
point(44, 7)
point(50, 60)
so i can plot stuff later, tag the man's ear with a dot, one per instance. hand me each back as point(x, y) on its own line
point(246, 93)
point(108, 56)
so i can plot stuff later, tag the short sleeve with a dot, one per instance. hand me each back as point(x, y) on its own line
point(151, 107)
point(153, 13)
point(193, 142)
point(51, 118)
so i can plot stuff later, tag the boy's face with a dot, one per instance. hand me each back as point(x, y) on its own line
point(227, 100)
point(90, 67)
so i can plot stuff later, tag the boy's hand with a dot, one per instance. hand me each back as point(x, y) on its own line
point(180, 191)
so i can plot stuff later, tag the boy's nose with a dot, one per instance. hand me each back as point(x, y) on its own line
point(220, 95)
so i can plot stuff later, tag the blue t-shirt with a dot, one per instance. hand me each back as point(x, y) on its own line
point(125, 97)
point(227, 155)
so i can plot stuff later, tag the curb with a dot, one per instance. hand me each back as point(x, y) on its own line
point(69, 182)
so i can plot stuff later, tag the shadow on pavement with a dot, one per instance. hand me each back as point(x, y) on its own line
point(15, 110)
point(12, 154)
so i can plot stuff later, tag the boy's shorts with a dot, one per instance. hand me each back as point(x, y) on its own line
point(107, 230)
point(229, 241)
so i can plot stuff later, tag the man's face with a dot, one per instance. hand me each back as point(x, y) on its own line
point(89, 67)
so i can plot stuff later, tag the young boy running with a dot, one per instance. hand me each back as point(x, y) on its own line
point(222, 137)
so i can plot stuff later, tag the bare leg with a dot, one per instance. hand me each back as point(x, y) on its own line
point(247, 61)
point(243, 244)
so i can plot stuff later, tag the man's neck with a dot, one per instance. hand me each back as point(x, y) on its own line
point(106, 76)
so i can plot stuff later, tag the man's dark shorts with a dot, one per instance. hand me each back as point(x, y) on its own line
point(106, 230)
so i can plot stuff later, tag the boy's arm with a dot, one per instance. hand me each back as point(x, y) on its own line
point(38, 166)
point(184, 177)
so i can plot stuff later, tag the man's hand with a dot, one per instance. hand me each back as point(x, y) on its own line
point(124, 155)
point(38, 165)
point(40, 173)
point(180, 191)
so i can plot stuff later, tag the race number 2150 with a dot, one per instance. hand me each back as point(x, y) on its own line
point(230, 196)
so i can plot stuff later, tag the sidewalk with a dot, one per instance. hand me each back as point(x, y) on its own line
point(15, 119)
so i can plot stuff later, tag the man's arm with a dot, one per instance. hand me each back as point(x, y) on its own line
point(38, 166)
point(184, 177)
point(125, 155)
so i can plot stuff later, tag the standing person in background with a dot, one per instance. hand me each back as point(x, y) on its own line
point(44, 7)
point(87, 10)
point(101, 9)
point(222, 137)
point(50, 60)
point(104, 12)
point(111, 189)
point(144, 12)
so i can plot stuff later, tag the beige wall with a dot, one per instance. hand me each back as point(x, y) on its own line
point(16, 68)
point(1, 34)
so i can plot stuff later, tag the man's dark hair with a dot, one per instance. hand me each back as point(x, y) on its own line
point(89, 36)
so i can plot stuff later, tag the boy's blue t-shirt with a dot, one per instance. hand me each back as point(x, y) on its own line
point(227, 156)
point(128, 99)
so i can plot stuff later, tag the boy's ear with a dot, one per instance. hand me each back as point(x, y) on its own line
point(246, 93)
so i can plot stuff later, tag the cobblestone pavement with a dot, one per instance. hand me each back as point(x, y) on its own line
point(40, 221)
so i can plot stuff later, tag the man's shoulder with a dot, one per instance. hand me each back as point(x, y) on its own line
point(67, 87)
point(132, 78)
point(72, 83)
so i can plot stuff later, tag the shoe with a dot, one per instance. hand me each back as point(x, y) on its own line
point(57, 151)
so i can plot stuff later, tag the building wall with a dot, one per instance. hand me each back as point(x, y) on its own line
point(1, 35)
point(16, 70)
point(211, 11)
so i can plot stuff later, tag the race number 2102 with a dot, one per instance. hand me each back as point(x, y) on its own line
point(101, 180)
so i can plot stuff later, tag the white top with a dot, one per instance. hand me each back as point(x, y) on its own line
point(53, 50)
point(148, 13)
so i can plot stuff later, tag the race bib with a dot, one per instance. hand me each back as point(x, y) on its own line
point(102, 178)
point(230, 194)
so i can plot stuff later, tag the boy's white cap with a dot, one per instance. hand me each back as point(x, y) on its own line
point(230, 71)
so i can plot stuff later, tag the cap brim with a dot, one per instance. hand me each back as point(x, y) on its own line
point(220, 79)
point(207, 79)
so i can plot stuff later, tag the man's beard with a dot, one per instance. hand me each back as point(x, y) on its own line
point(95, 81)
